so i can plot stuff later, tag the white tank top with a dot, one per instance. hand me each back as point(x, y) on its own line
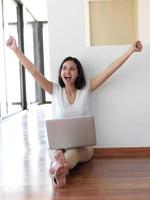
point(62, 108)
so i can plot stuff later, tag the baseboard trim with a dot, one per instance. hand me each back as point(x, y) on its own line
point(122, 152)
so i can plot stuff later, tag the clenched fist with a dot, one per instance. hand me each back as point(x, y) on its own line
point(11, 43)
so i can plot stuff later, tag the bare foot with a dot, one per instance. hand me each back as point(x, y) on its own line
point(59, 170)
point(60, 178)
point(58, 164)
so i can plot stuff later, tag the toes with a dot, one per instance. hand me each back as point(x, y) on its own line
point(56, 168)
point(62, 172)
point(59, 164)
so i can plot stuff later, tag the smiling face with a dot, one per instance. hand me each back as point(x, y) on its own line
point(69, 72)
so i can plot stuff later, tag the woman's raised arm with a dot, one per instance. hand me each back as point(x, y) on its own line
point(37, 75)
point(103, 76)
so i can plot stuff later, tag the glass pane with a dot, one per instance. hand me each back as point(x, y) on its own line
point(13, 95)
point(3, 109)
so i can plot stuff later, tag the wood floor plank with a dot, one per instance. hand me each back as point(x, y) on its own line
point(24, 164)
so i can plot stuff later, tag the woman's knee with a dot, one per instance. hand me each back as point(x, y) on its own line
point(90, 151)
point(86, 153)
point(72, 157)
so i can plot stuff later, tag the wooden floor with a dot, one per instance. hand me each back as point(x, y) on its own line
point(24, 167)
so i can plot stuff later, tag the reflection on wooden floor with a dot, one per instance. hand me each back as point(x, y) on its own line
point(24, 158)
point(24, 167)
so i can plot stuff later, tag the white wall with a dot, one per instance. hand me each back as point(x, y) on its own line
point(144, 18)
point(122, 104)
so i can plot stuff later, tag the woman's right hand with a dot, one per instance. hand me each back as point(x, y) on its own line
point(11, 43)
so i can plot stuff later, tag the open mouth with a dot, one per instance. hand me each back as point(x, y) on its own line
point(68, 78)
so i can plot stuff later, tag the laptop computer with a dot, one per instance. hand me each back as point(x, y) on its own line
point(71, 132)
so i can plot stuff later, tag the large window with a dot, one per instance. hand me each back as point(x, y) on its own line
point(2, 68)
point(18, 89)
point(10, 82)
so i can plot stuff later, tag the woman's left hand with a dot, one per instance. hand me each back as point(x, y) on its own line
point(137, 46)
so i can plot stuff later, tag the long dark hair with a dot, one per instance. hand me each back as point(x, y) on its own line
point(80, 81)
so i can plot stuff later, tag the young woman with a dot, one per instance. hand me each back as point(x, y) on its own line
point(70, 98)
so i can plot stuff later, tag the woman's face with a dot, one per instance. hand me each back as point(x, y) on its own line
point(69, 72)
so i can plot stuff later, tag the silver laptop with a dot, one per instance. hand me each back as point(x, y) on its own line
point(71, 132)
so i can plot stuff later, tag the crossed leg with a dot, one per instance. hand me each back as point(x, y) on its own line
point(68, 160)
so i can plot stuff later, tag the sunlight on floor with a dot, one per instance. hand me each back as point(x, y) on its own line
point(24, 149)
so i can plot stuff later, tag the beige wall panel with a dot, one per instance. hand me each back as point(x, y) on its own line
point(113, 22)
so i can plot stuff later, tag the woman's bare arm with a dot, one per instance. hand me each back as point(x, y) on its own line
point(103, 76)
point(37, 75)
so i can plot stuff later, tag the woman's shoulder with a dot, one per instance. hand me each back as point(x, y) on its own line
point(56, 88)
